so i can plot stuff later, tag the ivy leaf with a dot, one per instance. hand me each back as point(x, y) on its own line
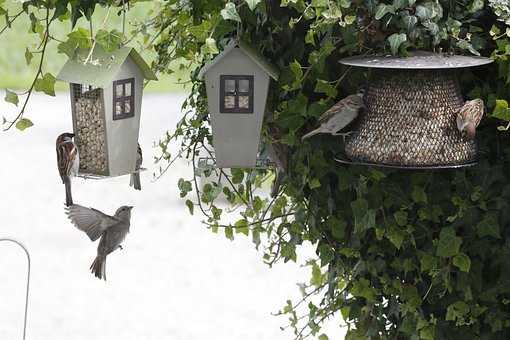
point(364, 218)
point(363, 288)
point(210, 46)
point(382, 10)
point(325, 87)
point(81, 38)
point(323, 337)
point(252, 4)
point(501, 110)
point(449, 243)
point(419, 195)
point(46, 84)
point(109, 40)
point(229, 233)
point(463, 262)
point(242, 227)
point(230, 12)
point(489, 226)
point(396, 236)
point(190, 206)
point(23, 124)
point(396, 40)
point(11, 97)
point(28, 56)
point(475, 6)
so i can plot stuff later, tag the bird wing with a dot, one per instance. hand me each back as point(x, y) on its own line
point(341, 120)
point(66, 155)
point(91, 221)
point(332, 111)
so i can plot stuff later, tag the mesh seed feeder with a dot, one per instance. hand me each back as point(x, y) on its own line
point(106, 97)
point(237, 84)
point(410, 112)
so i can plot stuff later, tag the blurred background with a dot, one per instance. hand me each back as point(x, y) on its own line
point(175, 279)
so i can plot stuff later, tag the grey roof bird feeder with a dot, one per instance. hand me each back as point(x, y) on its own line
point(410, 112)
point(237, 84)
point(106, 99)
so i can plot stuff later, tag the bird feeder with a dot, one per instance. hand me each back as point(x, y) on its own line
point(106, 97)
point(237, 85)
point(410, 112)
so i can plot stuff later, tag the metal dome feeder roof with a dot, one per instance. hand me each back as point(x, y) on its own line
point(420, 60)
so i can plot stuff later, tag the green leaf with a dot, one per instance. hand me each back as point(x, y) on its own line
point(11, 97)
point(314, 184)
point(323, 86)
point(109, 40)
point(252, 4)
point(323, 337)
point(229, 233)
point(401, 218)
point(501, 110)
point(489, 226)
point(81, 38)
point(396, 40)
point(364, 218)
point(242, 227)
point(230, 12)
point(210, 46)
point(46, 84)
point(396, 236)
point(23, 124)
point(190, 206)
point(462, 261)
point(419, 195)
point(448, 244)
point(28, 56)
point(475, 6)
point(382, 10)
point(184, 186)
point(363, 288)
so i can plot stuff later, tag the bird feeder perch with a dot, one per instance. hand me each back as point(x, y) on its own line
point(106, 98)
point(410, 112)
point(237, 84)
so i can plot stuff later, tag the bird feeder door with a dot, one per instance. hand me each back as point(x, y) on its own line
point(90, 129)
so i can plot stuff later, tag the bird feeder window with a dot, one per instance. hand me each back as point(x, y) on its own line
point(123, 99)
point(236, 94)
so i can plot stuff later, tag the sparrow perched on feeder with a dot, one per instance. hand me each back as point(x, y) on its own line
point(68, 162)
point(111, 229)
point(278, 154)
point(135, 177)
point(469, 118)
point(339, 116)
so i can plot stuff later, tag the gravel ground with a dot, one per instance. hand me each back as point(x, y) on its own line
point(173, 280)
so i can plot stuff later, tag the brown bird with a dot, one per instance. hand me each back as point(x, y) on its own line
point(339, 116)
point(469, 118)
point(68, 162)
point(135, 177)
point(111, 229)
point(278, 154)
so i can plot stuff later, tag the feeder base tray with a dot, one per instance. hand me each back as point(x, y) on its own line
point(99, 177)
point(347, 161)
point(209, 163)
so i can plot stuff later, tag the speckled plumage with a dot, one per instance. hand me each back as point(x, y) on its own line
point(469, 117)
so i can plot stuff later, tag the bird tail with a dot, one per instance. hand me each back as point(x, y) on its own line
point(135, 181)
point(98, 267)
point(69, 194)
point(310, 134)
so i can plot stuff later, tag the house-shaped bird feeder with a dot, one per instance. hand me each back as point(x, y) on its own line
point(411, 105)
point(237, 84)
point(106, 97)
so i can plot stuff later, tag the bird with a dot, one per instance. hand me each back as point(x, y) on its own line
point(68, 162)
point(339, 116)
point(278, 154)
point(469, 117)
point(135, 176)
point(111, 229)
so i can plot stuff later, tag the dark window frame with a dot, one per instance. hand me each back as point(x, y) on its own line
point(237, 94)
point(122, 99)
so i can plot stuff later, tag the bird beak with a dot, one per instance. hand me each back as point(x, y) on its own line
point(130, 208)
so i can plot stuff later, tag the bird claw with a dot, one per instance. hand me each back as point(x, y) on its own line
point(120, 247)
point(343, 134)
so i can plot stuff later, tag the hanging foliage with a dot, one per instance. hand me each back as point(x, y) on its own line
point(400, 254)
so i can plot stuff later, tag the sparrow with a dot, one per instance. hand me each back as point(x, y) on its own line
point(111, 229)
point(278, 154)
point(135, 176)
point(469, 118)
point(68, 162)
point(339, 116)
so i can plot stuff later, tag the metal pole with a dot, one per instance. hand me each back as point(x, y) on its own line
point(28, 280)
